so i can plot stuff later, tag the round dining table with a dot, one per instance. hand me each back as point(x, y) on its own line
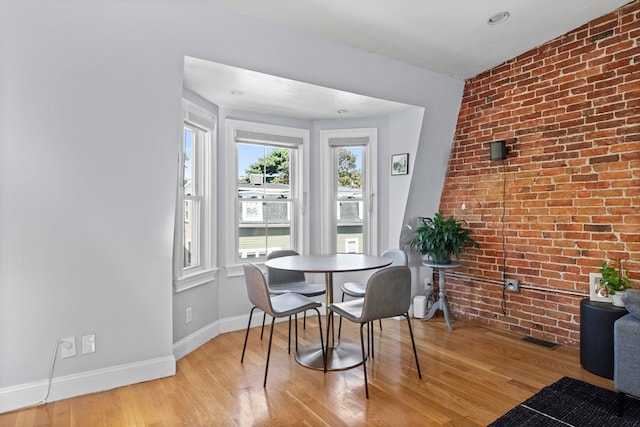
point(342, 355)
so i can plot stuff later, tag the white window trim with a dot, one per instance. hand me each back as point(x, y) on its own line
point(205, 272)
point(328, 223)
point(301, 188)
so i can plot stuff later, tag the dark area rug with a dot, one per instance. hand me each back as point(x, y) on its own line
point(570, 402)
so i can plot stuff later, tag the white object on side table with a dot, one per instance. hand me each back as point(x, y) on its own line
point(441, 304)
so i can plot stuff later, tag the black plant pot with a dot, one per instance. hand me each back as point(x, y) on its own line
point(444, 258)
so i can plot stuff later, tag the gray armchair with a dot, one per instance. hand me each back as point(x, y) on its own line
point(626, 348)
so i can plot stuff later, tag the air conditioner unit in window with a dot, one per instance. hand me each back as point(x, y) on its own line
point(256, 179)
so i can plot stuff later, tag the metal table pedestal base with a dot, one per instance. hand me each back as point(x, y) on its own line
point(340, 357)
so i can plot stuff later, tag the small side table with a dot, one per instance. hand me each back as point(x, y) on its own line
point(441, 304)
point(596, 336)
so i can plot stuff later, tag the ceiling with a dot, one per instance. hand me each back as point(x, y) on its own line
point(263, 93)
point(447, 36)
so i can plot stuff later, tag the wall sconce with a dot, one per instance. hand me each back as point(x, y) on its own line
point(498, 150)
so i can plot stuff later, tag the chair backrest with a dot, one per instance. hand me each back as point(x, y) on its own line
point(397, 256)
point(388, 293)
point(279, 277)
point(257, 287)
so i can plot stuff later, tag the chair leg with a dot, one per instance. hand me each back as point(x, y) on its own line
point(324, 354)
point(368, 340)
point(266, 368)
point(380, 322)
point(264, 317)
point(289, 349)
point(297, 330)
point(246, 336)
point(364, 361)
point(413, 343)
point(340, 321)
point(621, 398)
point(370, 328)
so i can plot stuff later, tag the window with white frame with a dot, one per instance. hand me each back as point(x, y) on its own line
point(268, 183)
point(194, 251)
point(349, 178)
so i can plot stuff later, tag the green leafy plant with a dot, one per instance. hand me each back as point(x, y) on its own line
point(439, 237)
point(614, 276)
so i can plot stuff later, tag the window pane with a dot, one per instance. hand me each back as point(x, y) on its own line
point(191, 226)
point(264, 227)
point(349, 209)
point(263, 165)
point(187, 167)
point(190, 233)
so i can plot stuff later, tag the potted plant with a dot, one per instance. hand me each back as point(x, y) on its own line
point(439, 237)
point(614, 280)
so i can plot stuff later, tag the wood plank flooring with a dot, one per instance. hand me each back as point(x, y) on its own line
point(471, 376)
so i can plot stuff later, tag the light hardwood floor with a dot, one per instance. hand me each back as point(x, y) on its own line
point(471, 376)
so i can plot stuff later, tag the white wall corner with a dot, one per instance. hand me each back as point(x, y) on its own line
point(212, 330)
point(195, 340)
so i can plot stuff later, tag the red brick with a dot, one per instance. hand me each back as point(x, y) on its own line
point(574, 105)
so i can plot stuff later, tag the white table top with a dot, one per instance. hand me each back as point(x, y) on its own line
point(328, 263)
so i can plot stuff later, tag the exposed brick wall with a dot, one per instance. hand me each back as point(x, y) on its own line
point(568, 195)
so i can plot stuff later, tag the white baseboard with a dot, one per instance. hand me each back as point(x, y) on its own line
point(195, 340)
point(212, 330)
point(31, 394)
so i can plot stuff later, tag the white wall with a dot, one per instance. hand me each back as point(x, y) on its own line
point(405, 133)
point(90, 116)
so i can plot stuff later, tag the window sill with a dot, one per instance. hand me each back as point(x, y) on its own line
point(237, 270)
point(195, 279)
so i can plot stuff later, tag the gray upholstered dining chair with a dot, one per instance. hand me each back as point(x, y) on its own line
point(357, 290)
point(286, 281)
point(388, 295)
point(278, 306)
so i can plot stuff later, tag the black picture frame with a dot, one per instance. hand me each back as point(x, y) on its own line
point(400, 164)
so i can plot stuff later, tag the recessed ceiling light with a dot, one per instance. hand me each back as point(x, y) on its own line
point(237, 92)
point(498, 18)
point(343, 111)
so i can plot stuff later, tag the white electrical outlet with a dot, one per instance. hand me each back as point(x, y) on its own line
point(189, 315)
point(88, 343)
point(67, 347)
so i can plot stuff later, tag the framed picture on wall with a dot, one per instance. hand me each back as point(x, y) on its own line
point(400, 164)
point(596, 292)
